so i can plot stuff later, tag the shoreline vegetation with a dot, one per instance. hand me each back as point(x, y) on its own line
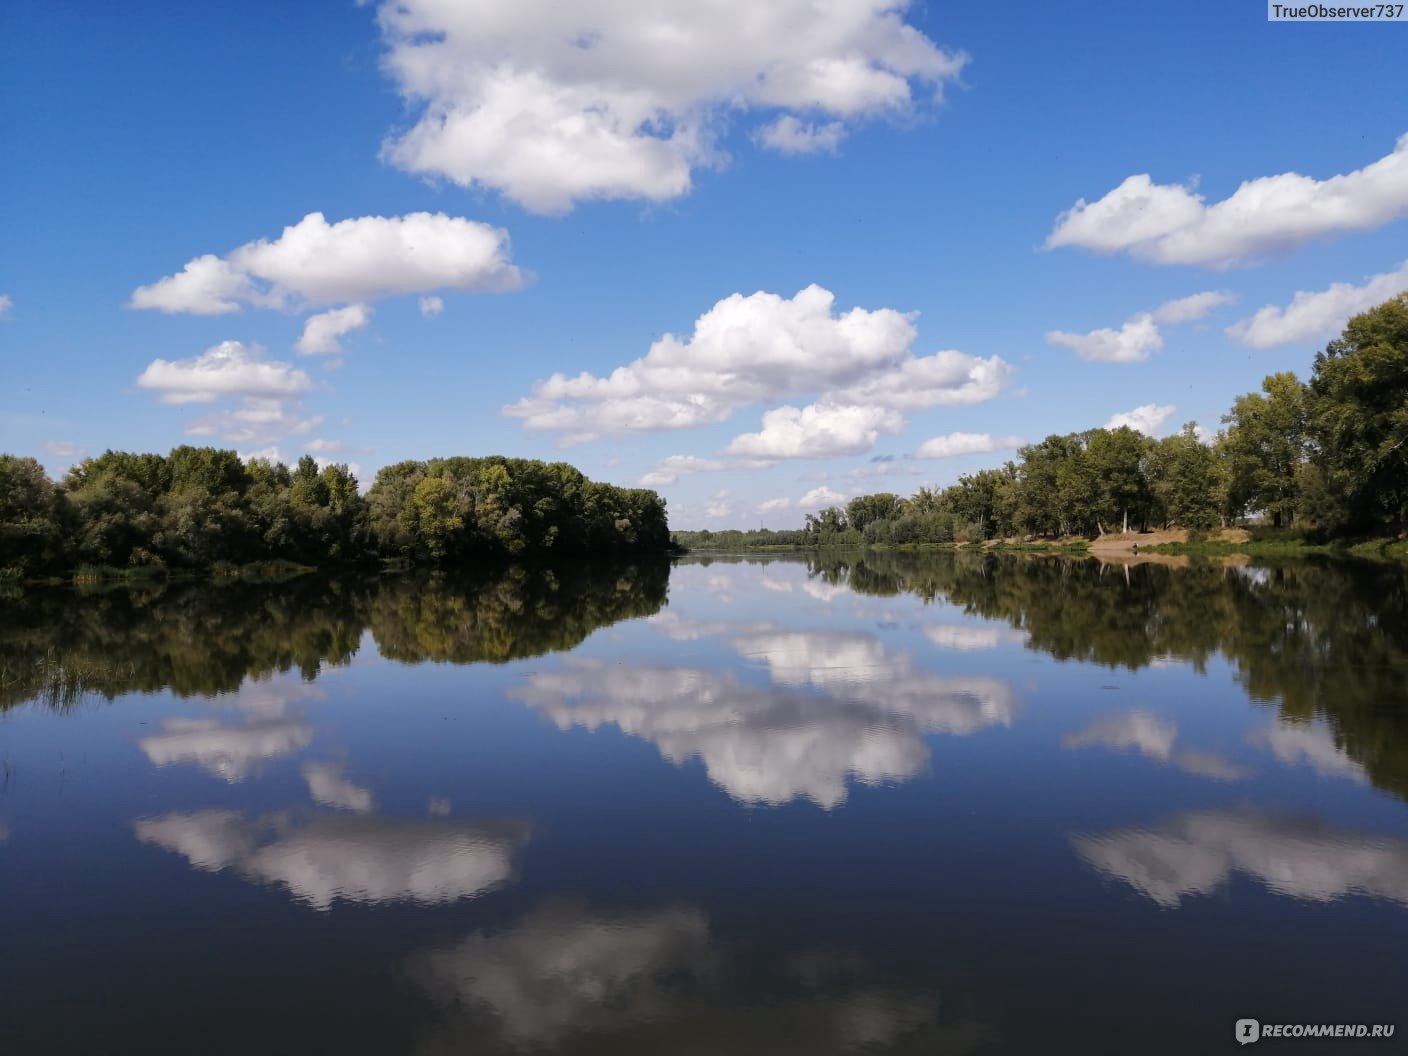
point(1299, 467)
point(201, 511)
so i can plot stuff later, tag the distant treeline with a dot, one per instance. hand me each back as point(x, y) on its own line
point(1329, 457)
point(200, 508)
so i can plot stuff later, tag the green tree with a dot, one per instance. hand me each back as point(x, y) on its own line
point(32, 516)
point(1266, 442)
point(1359, 417)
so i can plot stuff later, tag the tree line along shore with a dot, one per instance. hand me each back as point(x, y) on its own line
point(1312, 464)
point(1315, 462)
point(200, 508)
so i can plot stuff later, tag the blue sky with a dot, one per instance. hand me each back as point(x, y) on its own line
point(574, 183)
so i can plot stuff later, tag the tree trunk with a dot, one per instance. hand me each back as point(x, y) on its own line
point(1126, 520)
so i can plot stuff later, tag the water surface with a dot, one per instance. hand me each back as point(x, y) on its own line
point(894, 803)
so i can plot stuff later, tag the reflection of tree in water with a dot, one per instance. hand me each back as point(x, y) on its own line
point(525, 612)
point(59, 645)
point(1326, 639)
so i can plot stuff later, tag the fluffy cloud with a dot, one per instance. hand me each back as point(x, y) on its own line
point(553, 104)
point(1129, 344)
point(818, 497)
point(668, 470)
point(763, 348)
point(1170, 224)
point(1196, 853)
point(1315, 316)
point(430, 306)
point(317, 263)
point(256, 421)
point(774, 504)
point(227, 369)
point(6, 303)
point(1144, 419)
point(790, 135)
point(321, 332)
point(743, 350)
point(945, 379)
point(1140, 335)
point(966, 444)
point(817, 431)
point(62, 449)
point(1190, 308)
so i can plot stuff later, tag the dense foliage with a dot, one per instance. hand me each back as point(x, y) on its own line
point(1330, 456)
point(200, 507)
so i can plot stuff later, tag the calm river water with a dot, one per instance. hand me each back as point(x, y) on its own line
point(852, 804)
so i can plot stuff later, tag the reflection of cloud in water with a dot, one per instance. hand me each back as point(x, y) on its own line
point(559, 968)
point(271, 698)
point(780, 585)
point(968, 637)
point(361, 859)
point(1307, 744)
point(567, 974)
point(823, 591)
point(1153, 737)
point(829, 659)
point(1148, 733)
point(774, 745)
point(1195, 853)
point(682, 629)
point(231, 752)
point(327, 786)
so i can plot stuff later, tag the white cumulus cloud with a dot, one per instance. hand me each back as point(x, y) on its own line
point(62, 449)
point(790, 135)
point(1131, 343)
point(818, 497)
point(764, 348)
point(1145, 419)
point(317, 263)
point(430, 306)
point(817, 431)
point(322, 331)
point(1140, 334)
point(966, 444)
point(227, 369)
point(6, 303)
point(1319, 315)
point(255, 421)
point(668, 470)
point(1170, 224)
point(553, 103)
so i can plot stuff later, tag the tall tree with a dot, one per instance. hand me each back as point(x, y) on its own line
point(1359, 415)
point(1266, 442)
